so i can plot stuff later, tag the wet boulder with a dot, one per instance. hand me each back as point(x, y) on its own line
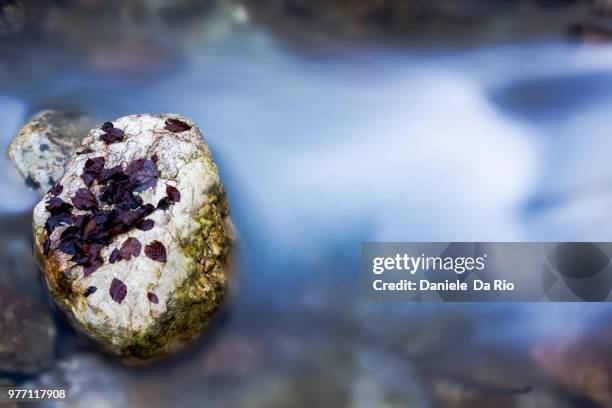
point(7, 383)
point(27, 333)
point(134, 238)
point(42, 148)
point(576, 363)
point(91, 381)
point(12, 17)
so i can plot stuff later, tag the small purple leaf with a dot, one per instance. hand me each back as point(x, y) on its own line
point(145, 225)
point(164, 204)
point(90, 291)
point(115, 256)
point(107, 126)
point(93, 266)
point(131, 247)
point(84, 199)
point(47, 246)
point(56, 189)
point(173, 194)
point(176, 126)
point(143, 173)
point(156, 251)
point(118, 290)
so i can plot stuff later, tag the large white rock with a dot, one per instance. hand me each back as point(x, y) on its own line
point(169, 251)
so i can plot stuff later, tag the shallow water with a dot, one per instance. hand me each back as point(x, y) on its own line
point(321, 151)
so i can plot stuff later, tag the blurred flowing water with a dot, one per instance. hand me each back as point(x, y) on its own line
point(319, 151)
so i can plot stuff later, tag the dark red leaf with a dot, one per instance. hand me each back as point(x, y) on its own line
point(117, 290)
point(58, 219)
point(80, 260)
point(145, 225)
point(46, 246)
point(71, 231)
point(92, 250)
point(90, 291)
point(112, 173)
point(173, 194)
point(101, 216)
point(116, 132)
point(143, 173)
point(81, 220)
point(152, 297)
point(164, 204)
point(84, 199)
point(93, 266)
point(129, 218)
point(176, 126)
point(156, 251)
point(90, 227)
point(92, 170)
point(56, 189)
point(113, 193)
point(56, 205)
point(131, 247)
point(114, 135)
point(146, 209)
point(115, 256)
point(70, 246)
point(95, 164)
point(107, 126)
point(88, 178)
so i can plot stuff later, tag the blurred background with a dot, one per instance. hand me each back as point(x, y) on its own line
point(335, 122)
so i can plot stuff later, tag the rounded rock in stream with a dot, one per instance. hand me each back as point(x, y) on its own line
point(134, 239)
point(27, 333)
point(12, 17)
point(42, 148)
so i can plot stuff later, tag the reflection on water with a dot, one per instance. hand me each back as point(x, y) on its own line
point(320, 151)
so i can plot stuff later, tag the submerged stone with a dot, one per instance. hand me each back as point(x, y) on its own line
point(12, 17)
point(42, 148)
point(90, 381)
point(27, 333)
point(138, 278)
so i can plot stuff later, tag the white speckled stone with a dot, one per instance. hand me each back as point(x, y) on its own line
point(42, 148)
point(190, 285)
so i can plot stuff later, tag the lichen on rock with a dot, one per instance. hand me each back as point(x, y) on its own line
point(43, 146)
point(134, 238)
